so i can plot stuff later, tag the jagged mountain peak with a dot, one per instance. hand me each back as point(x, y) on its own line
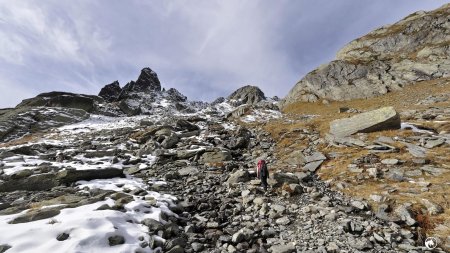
point(247, 95)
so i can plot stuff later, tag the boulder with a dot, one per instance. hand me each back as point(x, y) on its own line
point(283, 248)
point(216, 157)
point(68, 176)
point(170, 141)
point(183, 124)
point(34, 215)
point(239, 176)
point(381, 119)
point(116, 240)
point(38, 182)
point(285, 178)
point(110, 92)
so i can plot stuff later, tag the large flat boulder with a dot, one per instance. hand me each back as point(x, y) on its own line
point(39, 182)
point(381, 119)
point(70, 176)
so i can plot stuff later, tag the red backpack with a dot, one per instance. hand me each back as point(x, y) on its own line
point(261, 170)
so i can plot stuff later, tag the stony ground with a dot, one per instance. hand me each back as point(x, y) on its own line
point(207, 164)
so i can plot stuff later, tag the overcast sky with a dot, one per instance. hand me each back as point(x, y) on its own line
point(204, 48)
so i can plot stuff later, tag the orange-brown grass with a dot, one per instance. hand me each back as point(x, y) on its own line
point(287, 135)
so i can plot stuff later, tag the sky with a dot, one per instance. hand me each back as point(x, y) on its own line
point(203, 48)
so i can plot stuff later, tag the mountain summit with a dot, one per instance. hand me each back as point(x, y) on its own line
point(412, 50)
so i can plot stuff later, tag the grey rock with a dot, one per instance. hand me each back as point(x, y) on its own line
point(4, 248)
point(215, 157)
point(186, 171)
point(434, 143)
point(390, 161)
point(316, 156)
point(62, 237)
point(238, 237)
point(34, 215)
point(21, 174)
point(70, 175)
point(239, 176)
point(312, 166)
point(432, 208)
point(38, 182)
point(283, 221)
point(179, 241)
point(170, 141)
point(404, 212)
point(432, 170)
point(381, 119)
point(288, 178)
point(361, 243)
point(116, 240)
point(284, 248)
point(415, 150)
point(186, 125)
point(153, 225)
point(359, 205)
point(197, 247)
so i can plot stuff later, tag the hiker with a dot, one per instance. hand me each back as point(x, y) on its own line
point(262, 173)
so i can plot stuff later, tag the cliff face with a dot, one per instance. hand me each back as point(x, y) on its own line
point(414, 49)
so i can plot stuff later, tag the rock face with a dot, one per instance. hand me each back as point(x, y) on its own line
point(412, 50)
point(247, 95)
point(111, 91)
point(381, 119)
point(62, 99)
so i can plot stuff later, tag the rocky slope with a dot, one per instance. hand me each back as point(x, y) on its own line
point(176, 177)
point(412, 50)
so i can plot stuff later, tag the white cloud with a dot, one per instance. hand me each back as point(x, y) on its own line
point(204, 48)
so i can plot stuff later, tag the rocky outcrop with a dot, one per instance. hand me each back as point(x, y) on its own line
point(381, 119)
point(62, 99)
point(15, 123)
point(247, 95)
point(412, 50)
point(110, 92)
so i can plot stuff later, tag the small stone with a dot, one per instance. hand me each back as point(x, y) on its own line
point(432, 208)
point(116, 240)
point(238, 237)
point(332, 247)
point(197, 247)
point(283, 221)
point(390, 161)
point(358, 204)
point(62, 237)
point(284, 248)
